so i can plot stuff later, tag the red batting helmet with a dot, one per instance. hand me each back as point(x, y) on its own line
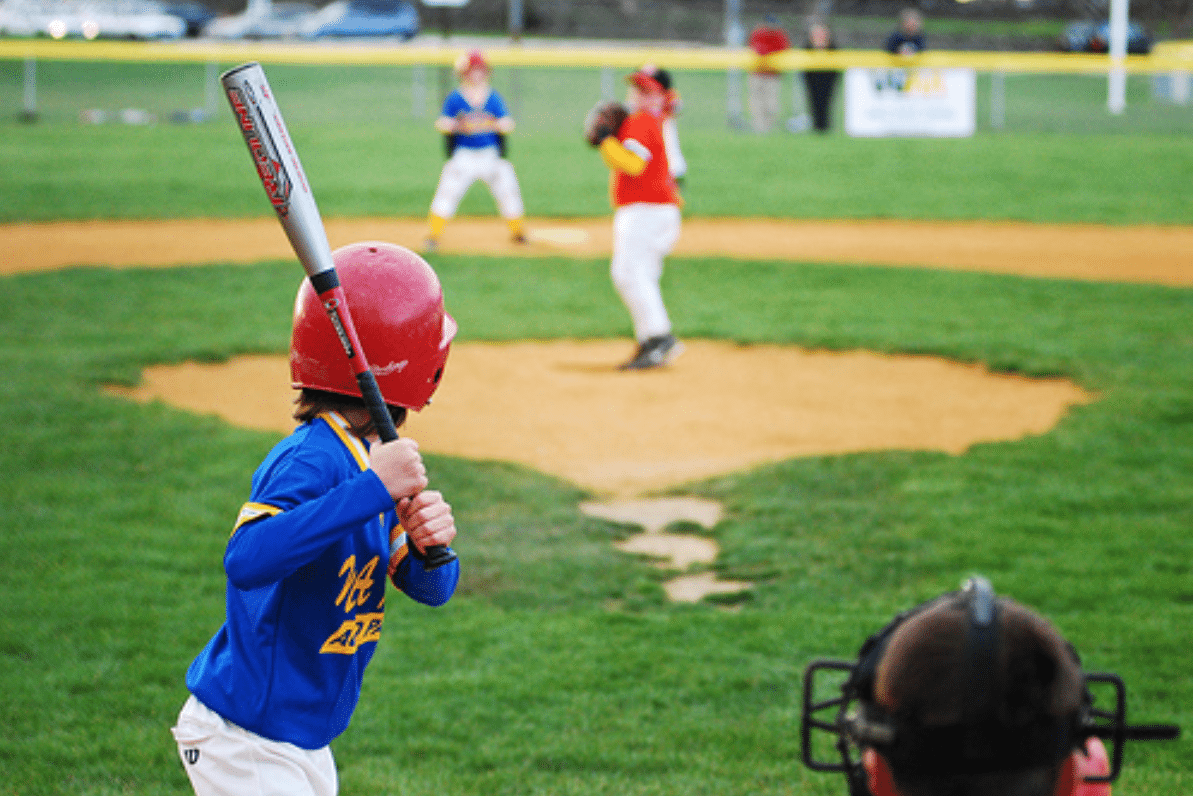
point(397, 307)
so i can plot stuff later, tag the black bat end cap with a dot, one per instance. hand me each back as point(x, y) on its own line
point(437, 556)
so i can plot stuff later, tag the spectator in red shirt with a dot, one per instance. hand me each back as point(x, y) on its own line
point(763, 82)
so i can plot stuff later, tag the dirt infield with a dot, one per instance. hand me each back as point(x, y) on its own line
point(1150, 254)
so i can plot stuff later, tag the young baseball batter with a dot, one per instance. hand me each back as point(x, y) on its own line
point(331, 516)
point(646, 218)
point(475, 121)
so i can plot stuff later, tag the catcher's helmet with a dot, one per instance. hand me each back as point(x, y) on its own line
point(473, 59)
point(397, 307)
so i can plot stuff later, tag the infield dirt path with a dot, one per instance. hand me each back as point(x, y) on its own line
point(1153, 254)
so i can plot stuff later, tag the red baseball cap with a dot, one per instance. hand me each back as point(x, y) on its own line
point(648, 79)
point(473, 59)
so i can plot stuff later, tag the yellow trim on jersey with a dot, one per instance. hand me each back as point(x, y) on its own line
point(399, 547)
point(619, 158)
point(254, 511)
point(350, 440)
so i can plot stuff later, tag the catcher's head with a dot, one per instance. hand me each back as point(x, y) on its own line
point(397, 307)
point(967, 693)
point(469, 62)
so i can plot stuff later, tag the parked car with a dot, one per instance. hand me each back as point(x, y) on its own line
point(195, 14)
point(273, 21)
point(89, 19)
point(364, 18)
point(1093, 37)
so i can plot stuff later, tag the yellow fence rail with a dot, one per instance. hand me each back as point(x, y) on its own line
point(1168, 57)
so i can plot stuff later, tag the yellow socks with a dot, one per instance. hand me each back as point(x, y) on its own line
point(516, 231)
point(436, 226)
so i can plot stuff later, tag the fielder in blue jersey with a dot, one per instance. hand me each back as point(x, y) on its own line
point(332, 515)
point(475, 122)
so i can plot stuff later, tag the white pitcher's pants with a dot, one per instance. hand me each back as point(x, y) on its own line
point(643, 236)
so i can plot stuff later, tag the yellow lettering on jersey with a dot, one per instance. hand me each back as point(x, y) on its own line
point(341, 642)
point(361, 629)
point(357, 585)
point(371, 627)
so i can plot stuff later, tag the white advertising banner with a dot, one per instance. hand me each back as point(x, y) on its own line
point(910, 102)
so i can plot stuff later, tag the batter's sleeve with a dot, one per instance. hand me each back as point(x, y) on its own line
point(311, 515)
point(429, 587)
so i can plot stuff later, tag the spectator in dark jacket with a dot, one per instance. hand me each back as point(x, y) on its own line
point(820, 84)
point(909, 37)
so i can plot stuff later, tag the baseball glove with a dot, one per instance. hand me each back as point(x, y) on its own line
point(603, 121)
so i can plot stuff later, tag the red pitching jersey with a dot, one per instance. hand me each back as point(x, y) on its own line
point(642, 134)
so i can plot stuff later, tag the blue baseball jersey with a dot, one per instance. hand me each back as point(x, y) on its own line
point(305, 598)
point(456, 105)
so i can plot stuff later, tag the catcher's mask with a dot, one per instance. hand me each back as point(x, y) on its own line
point(989, 738)
point(397, 307)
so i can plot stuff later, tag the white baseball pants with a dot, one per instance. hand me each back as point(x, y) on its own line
point(465, 167)
point(643, 236)
point(223, 759)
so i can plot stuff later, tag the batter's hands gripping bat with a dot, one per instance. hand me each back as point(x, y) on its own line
point(286, 185)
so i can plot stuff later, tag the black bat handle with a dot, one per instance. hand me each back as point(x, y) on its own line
point(436, 555)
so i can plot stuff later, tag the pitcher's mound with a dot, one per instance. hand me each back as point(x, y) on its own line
point(561, 407)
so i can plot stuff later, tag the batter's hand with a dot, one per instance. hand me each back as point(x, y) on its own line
point(427, 520)
point(399, 466)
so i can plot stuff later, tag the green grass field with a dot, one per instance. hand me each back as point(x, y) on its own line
point(559, 668)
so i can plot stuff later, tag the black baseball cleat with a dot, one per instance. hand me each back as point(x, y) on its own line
point(654, 352)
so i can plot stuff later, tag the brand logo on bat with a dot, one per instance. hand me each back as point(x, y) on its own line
point(333, 310)
point(263, 149)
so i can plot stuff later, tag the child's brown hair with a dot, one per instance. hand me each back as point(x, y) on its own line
point(311, 403)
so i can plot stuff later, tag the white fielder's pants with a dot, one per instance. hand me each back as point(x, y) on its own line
point(223, 759)
point(764, 93)
point(465, 167)
point(643, 236)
